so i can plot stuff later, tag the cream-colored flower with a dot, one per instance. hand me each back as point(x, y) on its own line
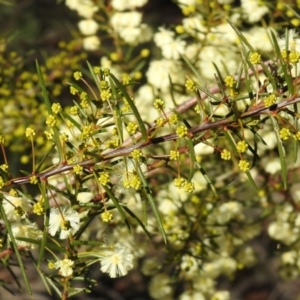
point(163, 36)
point(203, 149)
point(16, 208)
point(128, 26)
point(136, 35)
point(189, 266)
point(221, 295)
point(192, 295)
point(191, 51)
point(220, 57)
point(63, 219)
point(228, 211)
point(91, 43)
point(85, 197)
point(222, 34)
point(88, 26)
point(117, 261)
point(85, 8)
point(160, 71)
point(160, 287)
point(289, 257)
point(284, 232)
point(225, 1)
point(183, 3)
point(253, 10)
point(292, 41)
point(174, 49)
point(259, 38)
point(121, 20)
point(65, 267)
point(128, 4)
point(194, 26)
point(25, 230)
point(271, 165)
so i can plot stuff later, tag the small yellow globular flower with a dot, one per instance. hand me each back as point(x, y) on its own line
point(51, 121)
point(114, 56)
point(137, 153)
point(173, 119)
point(1, 182)
point(104, 85)
point(179, 29)
point(297, 136)
point(181, 131)
point(241, 146)
point(2, 140)
point(49, 134)
point(244, 165)
point(51, 265)
point(294, 57)
point(83, 96)
point(74, 110)
point(132, 127)
point(284, 54)
point(188, 187)
point(77, 75)
point(261, 193)
point(174, 155)
point(4, 167)
point(295, 21)
point(73, 90)
point(24, 159)
point(230, 81)
point(270, 100)
point(227, 7)
point(29, 132)
point(38, 208)
point(284, 134)
point(97, 70)
point(104, 178)
point(225, 154)
point(188, 10)
point(105, 95)
point(137, 75)
point(64, 137)
point(106, 71)
point(33, 179)
point(13, 193)
point(126, 79)
point(191, 85)
point(87, 130)
point(132, 181)
point(84, 103)
point(126, 107)
point(56, 108)
point(114, 131)
point(178, 182)
point(112, 143)
point(255, 58)
point(78, 169)
point(145, 53)
point(197, 109)
point(107, 216)
point(159, 104)
point(159, 122)
point(233, 93)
